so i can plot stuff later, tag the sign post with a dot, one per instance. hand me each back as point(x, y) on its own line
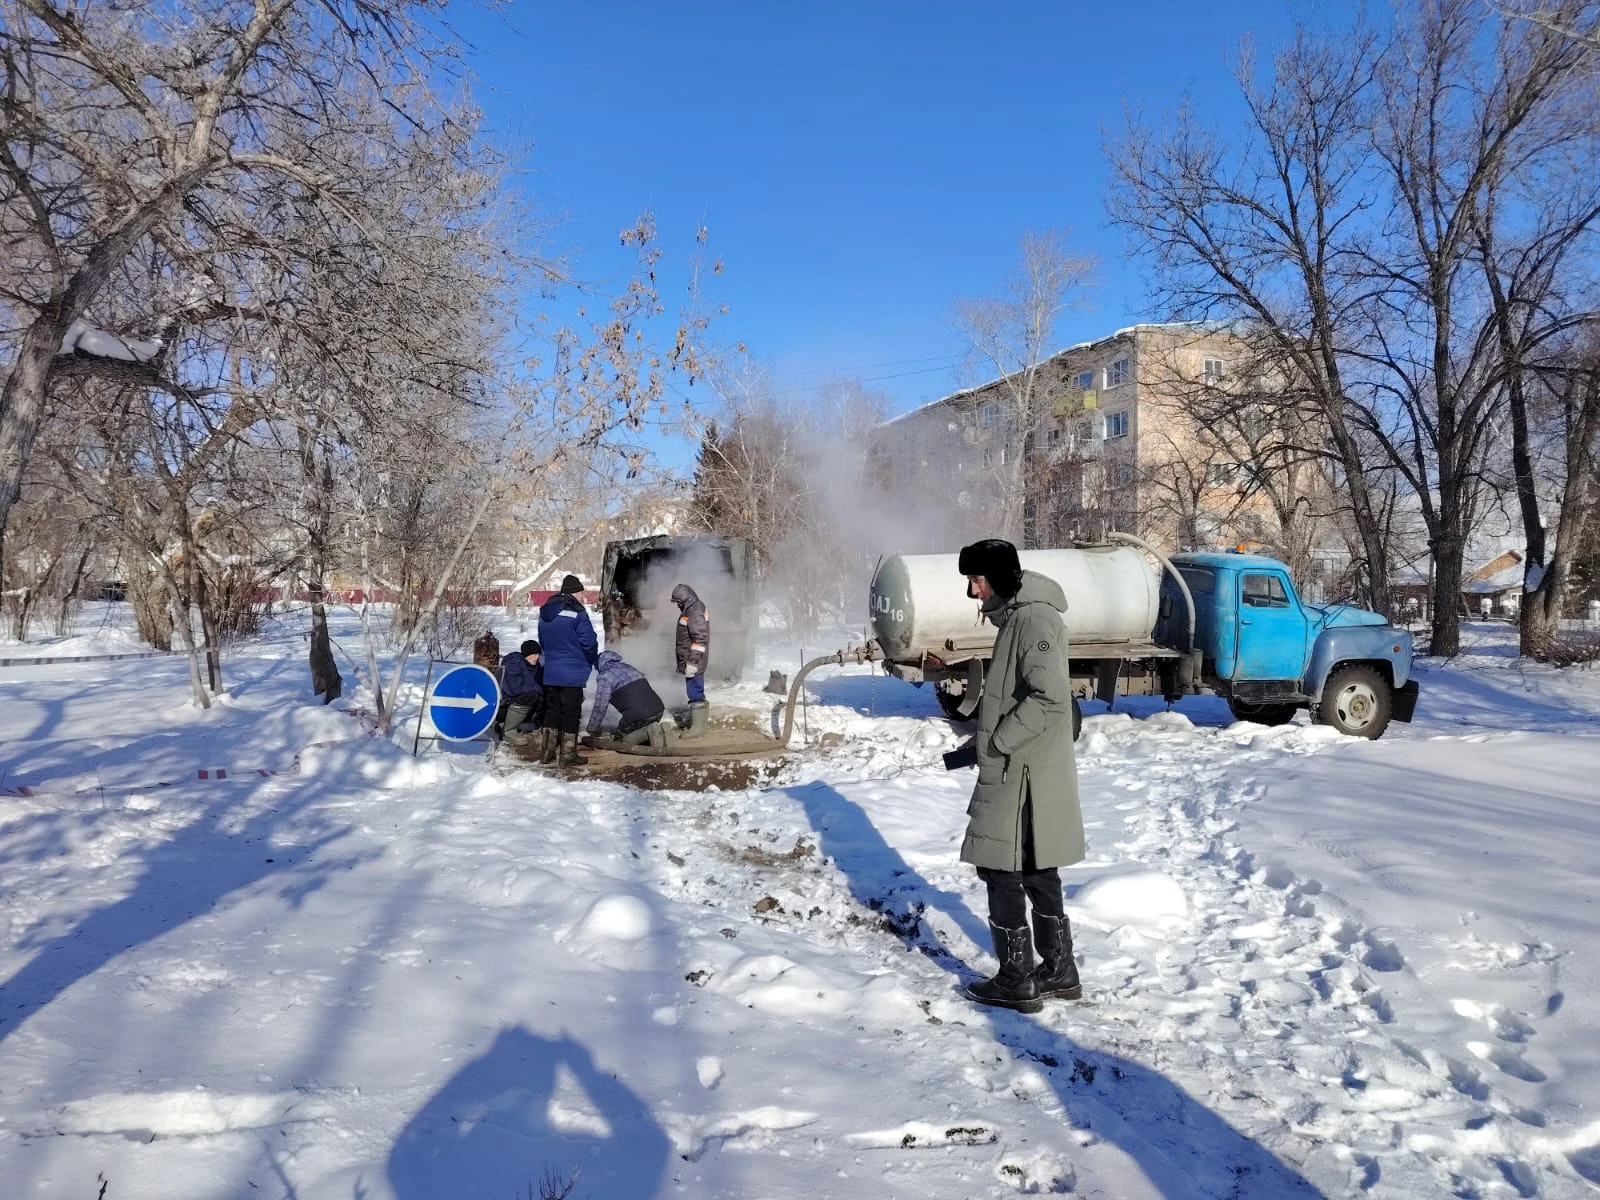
point(463, 703)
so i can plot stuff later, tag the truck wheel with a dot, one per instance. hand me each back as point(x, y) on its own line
point(950, 700)
point(1356, 701)
point(1262, 714)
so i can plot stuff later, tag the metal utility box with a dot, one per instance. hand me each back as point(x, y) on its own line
point(636, 581)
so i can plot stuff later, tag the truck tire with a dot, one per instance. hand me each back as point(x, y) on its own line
point(1357, 701)
point(951, 698)
point(1262, 714)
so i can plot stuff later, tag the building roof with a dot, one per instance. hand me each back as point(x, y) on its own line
point(965, 393)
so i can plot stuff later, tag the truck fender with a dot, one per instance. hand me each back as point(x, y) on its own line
point(1357, 643)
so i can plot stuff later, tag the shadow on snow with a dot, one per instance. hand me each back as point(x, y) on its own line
point(1183, 1147)
point(498, 1126)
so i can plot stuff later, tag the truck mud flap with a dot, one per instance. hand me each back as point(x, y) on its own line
point(974, 692)
point(1405, 701)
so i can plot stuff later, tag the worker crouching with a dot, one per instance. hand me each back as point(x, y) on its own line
point(640, 709)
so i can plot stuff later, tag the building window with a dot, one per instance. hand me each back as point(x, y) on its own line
point(1117, 373)
point(1125, 472)
point(1052, 437)
point(1221, 474)
point(1214, 371)
point(991, 415)
point(1086, 381)
point(1117, 423)
point(988, 458)
point(1005, 455)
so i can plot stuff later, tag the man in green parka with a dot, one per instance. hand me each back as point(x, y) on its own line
point(1024, 813)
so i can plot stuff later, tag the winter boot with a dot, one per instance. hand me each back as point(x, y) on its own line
point(548, 743)
point(569, 752)
point(516, 714)
point(658, 735)
point(1057, 975)
point(1014, 987)
point(699, 716)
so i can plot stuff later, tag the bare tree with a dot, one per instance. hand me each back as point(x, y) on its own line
point(1578, 20)
point(1010, 339)
point(120, 134)
point(790, 474)
point(1344, 226)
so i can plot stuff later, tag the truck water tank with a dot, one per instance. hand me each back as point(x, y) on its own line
point(919, 601)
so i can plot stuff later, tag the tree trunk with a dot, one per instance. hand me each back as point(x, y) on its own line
point(22, 399)
point(1449, 561)
point(21, 613)
point(325, 678)
point(64, 609)
point(185, 631)
point(1542, 608)
point(211, 640)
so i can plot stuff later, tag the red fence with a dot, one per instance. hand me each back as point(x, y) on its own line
point(481, 598)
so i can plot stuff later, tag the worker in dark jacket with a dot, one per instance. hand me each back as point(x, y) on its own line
point(570, 651)
point(1024, 821)
point(623, 687)
point(694, 645)
point(522, 691)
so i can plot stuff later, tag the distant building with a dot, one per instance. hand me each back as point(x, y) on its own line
point(1147, 431)
point(1495, 589)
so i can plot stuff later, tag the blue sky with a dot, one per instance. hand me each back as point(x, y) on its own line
point(861, 166)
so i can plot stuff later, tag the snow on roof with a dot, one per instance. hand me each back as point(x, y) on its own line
point(1506, 579)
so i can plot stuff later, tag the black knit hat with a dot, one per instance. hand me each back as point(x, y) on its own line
point(996, 561)
point(531, 647)
point(571, 585)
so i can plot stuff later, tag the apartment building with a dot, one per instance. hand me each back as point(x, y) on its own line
point(1123, 433)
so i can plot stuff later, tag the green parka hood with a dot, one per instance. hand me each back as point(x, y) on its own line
point(1035, 589)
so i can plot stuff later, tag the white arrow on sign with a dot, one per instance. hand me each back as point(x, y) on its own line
point(474, 702)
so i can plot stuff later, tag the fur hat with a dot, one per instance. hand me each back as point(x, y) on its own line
point(997, 562)
point(571, 585)
point(531, 647)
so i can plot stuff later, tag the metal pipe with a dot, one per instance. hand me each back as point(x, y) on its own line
point(1183, 584)
point(858, 654)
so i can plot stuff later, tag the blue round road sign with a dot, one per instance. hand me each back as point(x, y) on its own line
point(463, 703)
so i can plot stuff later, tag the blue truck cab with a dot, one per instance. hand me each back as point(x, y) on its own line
point(1269, 653)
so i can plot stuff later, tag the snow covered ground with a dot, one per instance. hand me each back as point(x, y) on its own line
point(1313, 965)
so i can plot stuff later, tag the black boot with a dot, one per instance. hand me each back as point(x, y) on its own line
point(569, 751)
point(548, 741)
point(1057, 975)
point(1014, 987)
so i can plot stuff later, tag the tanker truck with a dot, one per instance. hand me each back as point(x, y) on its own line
point(1141, 624)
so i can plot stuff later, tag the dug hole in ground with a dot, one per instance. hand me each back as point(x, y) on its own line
point(1313, 965)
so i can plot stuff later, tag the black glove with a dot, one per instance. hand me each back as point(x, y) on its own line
point(964, 755)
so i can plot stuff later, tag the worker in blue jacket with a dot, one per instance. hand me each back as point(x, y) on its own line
point(570, 650)
point(522, 689)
